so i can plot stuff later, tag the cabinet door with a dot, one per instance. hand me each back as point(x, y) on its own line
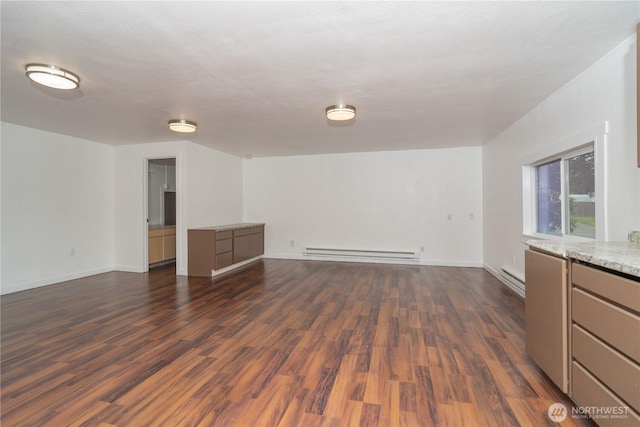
point(169, 247)
point(257, 244)
point(546, 315)
point(241, 248)
point(155, 249)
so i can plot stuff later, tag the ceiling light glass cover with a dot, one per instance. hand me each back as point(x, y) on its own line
point(184, 126)
point(341, 112)
point(52, 76)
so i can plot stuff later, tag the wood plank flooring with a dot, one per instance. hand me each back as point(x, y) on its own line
point(280, 343)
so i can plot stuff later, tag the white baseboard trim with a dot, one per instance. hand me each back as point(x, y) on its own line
point(234, 266)
point(443, 263)
point(435, 263)
point(284, 256)
point(128, 268)
point(53, 280)
point(137, 269)
point(498, 276)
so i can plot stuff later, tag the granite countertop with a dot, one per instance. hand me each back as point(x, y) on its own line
point(618, 256)
point(232, 226)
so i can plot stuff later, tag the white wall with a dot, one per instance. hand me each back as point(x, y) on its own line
point(130, 201)
point(215, 192)
point(378, 201)
point(208, 192)
point(603, 92)
point(57, 194)
point(61, 193)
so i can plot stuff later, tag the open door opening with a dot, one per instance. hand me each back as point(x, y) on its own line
point(161, 212)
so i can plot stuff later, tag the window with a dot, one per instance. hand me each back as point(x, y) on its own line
point(565, 195)
point(564, 187)
point(548, 201)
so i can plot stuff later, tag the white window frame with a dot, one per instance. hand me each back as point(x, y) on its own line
point(594, 139)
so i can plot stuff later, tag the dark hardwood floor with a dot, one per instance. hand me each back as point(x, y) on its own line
point(280, 343)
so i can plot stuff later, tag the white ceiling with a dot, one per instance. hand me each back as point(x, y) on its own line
point(257, 76)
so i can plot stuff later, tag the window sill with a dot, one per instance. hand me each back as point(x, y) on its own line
point(559, 239)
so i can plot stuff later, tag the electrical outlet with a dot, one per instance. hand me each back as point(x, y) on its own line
point(470, 217)
point(292, 243)
point(421, 248)
point(513, 259)
point(449, 217)
point(73, 252)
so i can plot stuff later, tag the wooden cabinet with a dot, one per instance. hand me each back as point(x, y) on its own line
point(169, 243)
point(155, 246)
point(248, 243)
point(605, 343)
point(162, 244)
point(213, 248)
point(223, 250)
point(546, 315)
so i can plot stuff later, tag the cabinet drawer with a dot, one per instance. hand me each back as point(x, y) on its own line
point(246, 231)
point(615, 326)
point(224, 246)
point(619, 373)
point(589, 392)
point(156, 232)
point(220, 235)
point(621, 290)
point(224, 260)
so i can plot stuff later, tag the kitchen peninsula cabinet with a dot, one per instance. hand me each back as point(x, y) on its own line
point(218, 247)
point(600, 290)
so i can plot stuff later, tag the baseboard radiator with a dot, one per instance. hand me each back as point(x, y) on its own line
point(364, 255)
point(512, 280)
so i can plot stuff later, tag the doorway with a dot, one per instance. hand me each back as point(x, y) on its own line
point(161, 212)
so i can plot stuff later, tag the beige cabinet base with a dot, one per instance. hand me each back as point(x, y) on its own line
point(162, 244)
point(605, 342)
point(214, 248)
point(546, 315)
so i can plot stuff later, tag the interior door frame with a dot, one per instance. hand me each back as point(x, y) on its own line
point(145, 211)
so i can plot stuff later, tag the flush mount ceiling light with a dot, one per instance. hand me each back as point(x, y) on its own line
point(341, 112)
point(184, 126)
point(52, 76)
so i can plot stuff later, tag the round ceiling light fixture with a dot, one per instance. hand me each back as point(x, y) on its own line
point(52, 76)
point(340, 112)
point(183, 126)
